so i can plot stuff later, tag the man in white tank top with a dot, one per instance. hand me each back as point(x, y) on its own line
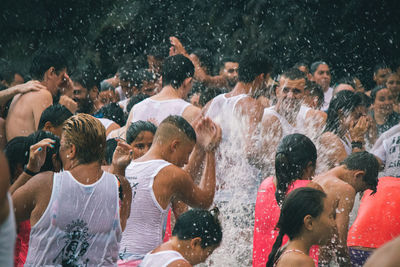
point(7, 220)
point(177, 76)
point(75, 214)
point(158, 181)
point(289, 116)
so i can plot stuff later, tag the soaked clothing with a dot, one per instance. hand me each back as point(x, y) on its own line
point(358, 257)
point(161, 259)
point(327, 98)
point(144, 228)
point(378, 219)
point(7, 237)
point(80, 226)
point(392, 120)
point(287, 252)
point(22, 242)
point(389, 152)
point(150, 109)
point(267, 214)
point(287, 128)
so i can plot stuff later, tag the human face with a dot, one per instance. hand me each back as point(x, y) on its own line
point(199, 254)
point(393, 84)
point(381, 75)
point(128, 88)
point(80, 94)
point(142, 144)
point(383, 103)
point(149, 88)
point(352, 118)
point(107, 97)
point(325, 223)
point(322, 76)
point(56, 80)
point(230, 73)
point(180, 156)
point(290, 93)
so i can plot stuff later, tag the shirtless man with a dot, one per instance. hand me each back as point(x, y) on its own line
point(177, 76)
point(321, 74)
point(357, 173)
point(157, 180)
point(289, 116)
point(25, 110)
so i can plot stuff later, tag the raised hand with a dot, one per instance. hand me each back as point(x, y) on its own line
point(123, 155)
point(37, 154)
point(176, 47)
point(358, 129)
point(208, 134)
point(69, 103)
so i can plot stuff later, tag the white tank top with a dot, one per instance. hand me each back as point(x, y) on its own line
point(161, 259)
point(8, 235)
point(222, 109)
point(80, 226)
point(106, 122)
point(287, 128)
point(144, 228)
point(158, 110)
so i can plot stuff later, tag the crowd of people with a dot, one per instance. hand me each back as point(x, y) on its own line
point(166, 164)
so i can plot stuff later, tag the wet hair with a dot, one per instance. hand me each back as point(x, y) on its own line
point(300, 64)
point(344, 101)
point(199, 223)
point(252, 65)
point(375, 91)
point(366, 162)
point(314, 66)
point(128, 73)
point(8, 75)
point(84, 131)
point(293, 154)
point(182, 125)
point(293, 74)
point(208, 94)
point(50, 151)
point(111, 145)
point(43, 60)
point(346, 80)
point(380, 66)
point(112, 112)
point(298, 204)
point(175, 70)
point(134, 100)
point(56, 114)
point(315, 90)
point(17, 152)
point(137, 127)
point(226, 59)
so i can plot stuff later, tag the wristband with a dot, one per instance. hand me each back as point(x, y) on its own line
point(29, 172)
point(356, 145)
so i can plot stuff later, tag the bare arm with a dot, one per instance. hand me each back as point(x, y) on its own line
point(126, 201)
point(30, 86)
point(332, 149)
point(4, 184)
point(40, 101)
point(191, 114)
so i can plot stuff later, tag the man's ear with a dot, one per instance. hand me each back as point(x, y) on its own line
point(195, 242)
point(359, 175)
point(308, 222)
point(174, 145)
point(49, 72)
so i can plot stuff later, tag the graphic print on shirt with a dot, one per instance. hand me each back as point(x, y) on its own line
point(76, 245)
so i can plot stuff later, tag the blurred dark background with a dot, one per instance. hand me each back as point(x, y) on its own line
point(351, 36)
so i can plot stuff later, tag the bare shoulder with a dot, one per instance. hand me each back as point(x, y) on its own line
point(41, 180)
point(330, 139)
point(251, 106)
point(296, 259)
point(179, 263)
point(173, 173)
point(269, 119)
point(313, 113)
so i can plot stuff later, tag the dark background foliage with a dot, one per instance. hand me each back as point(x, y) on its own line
point(352, 36)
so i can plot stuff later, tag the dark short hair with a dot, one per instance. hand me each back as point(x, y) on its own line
point(226, 59)
point(366, 162)
point(43, 60)
point(253, 64)
point(199, 223)
point(17, 152)
point(375, 91)
point(88, 76)
point(56, 114)
point(293, 74)
point(205, 58)
point(380, 66)
point(175, 70)
point(137, 127)
point(346, 80)
point(315, 90)
point(113, 112)
point(182, 124)
point(314, 66)
point(111, 145)
point(50, 151)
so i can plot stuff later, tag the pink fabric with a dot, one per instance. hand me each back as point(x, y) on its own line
point(22, 243)
point(168, 231)
point(132, 263)
point(267, 214)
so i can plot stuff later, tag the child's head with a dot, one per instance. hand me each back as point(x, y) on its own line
point(201, 232)
point(140, 136)
point(307, 214)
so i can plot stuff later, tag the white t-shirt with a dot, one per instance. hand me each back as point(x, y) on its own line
point(327, 98)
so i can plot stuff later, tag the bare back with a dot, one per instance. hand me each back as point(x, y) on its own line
point(25, 111)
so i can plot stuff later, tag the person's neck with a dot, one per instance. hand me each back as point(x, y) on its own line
point(380, 118)
point(168, 92)
point(241, 88)
point(302, 244)
point(342, 173)
point(86, 173)
point(326, 89)
point(155, 152)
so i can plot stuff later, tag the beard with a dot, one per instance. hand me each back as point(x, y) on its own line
point(85, 106)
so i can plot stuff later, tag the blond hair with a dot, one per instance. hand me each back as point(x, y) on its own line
point(88, 136)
